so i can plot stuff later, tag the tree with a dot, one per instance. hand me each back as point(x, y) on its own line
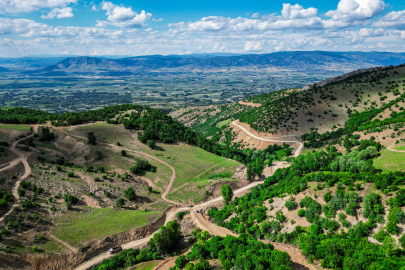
point(123, 153)
point(150, 189)
point(120, 202)
point(69, 174)
point(91, 138)
point(151, 143)
point(129, 193)
point(226, 193)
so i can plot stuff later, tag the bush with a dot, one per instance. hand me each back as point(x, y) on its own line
point(120, 202)
point(301, 213)
point(71, 198)
point(91, 138)
point(129, 193)
point(123, 153)
point(70, 174)
point(150, 143)
point(291, 205)
point(25, 185)
point(141, 165)
point(21, 192)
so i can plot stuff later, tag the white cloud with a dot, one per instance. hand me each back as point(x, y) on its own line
point(94, 8)
point(255, 15)
point(124, 17)
point(253, 46)
point(290, 12)
point(395, 19)
point(23, 6)
point(157, 20)
point(59, 13)
point(357, 10)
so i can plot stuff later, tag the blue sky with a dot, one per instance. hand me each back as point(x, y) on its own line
point(75, 27)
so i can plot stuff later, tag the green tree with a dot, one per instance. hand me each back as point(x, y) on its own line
point(120, 202)
point(123, 153)
point(227, 193)
point(151, 143)
point(150, 190)
point(91, 138)
point(129, 193)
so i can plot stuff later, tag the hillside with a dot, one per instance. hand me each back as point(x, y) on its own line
point(74, 176)
point(320, 108)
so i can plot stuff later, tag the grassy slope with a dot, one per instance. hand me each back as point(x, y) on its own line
point(15, 127)
point(81, 227)
point(188, 161)
point(279, 110)
point(390, 161)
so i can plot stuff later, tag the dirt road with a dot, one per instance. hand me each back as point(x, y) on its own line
point(172, 177)
point(299, 261)
point(296, 153)
point(171, 215)
point(22, 157)
point(391, 148)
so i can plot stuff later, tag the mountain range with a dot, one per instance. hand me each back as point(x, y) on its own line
point(299, 60)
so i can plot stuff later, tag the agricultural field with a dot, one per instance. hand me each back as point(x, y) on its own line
point(65, 94)
point(390, 161)
point(87, 224)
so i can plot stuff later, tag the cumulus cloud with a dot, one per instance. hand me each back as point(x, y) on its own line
point(124, 17)
point(253, 46)
point(23, 6)
point(59, 13)
point(255, 15)
point(395, 19)
point(356, 10)
point(291, 12)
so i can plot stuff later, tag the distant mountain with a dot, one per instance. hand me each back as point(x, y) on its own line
point(29, 63)
point(314, 60)
point(2, 69)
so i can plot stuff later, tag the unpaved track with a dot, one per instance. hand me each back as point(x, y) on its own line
point(171, 215)
point(296, 153)
point(172, 177)
point(22, 157)
point(295, 253)
point(75, 250)
point(391, 148)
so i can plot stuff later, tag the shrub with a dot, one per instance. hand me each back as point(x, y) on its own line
point(123, 153)
point(301, 213)
point(291, 205)
point(120, 202)
point(141, 165)
point(69, 174)
point(129, 193)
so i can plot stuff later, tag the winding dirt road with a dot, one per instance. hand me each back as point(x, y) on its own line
point(299, 261)
point(392, 148)
point(22, 157)
point(296, 153)
point(171, 215)
point(172, 177)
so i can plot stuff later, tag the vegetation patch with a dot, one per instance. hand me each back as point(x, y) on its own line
point(76, 227)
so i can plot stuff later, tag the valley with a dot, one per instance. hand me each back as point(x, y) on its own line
point(301, 178)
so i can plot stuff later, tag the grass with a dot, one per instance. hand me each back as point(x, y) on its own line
point(390, 161)
point(224, 123)
point(400, 147)
point(188, 161)
point(16, 127)
point(76, 227)
point(145, 265)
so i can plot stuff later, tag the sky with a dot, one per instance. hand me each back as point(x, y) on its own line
point(145, 27)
